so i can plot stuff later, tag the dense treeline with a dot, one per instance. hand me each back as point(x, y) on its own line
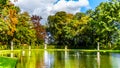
point(16, 27)
point(81, 30)
point(87, 30)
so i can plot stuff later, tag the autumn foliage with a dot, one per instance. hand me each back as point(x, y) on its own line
point(40, 30)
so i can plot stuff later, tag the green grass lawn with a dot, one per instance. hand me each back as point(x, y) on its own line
point(6, 62)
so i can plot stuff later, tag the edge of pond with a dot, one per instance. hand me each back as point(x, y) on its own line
point(82, 50)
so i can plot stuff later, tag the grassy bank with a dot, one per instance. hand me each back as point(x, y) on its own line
point(6, 62)
point(17, 47)
point(80, 50)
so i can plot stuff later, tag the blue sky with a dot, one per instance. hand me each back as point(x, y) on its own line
point(93, 4)
point(45, 8)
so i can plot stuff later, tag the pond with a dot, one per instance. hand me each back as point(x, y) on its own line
point(65, 59)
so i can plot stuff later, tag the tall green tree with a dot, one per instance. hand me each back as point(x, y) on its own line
point(68, 29)
point(105, 16)
point(15, 26)
point(56, 25)
point(25, 33)
point(9, 16)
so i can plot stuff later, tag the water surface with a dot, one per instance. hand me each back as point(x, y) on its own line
point(66, 59)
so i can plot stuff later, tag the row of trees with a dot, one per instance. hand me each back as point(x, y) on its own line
point(80, 30)
point(17, 27)
point(86, 30)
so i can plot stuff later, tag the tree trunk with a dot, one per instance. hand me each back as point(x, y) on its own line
point(66, 47)
point(29, 47)
point(45, 46)
point(11, 43)
point(98, 46)
point(110, 45)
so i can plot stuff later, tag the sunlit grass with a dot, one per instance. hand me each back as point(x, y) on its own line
point(82, 50)
point(6, 62)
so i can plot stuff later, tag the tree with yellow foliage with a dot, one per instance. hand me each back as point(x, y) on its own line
point(68, 29)
point(9, 17)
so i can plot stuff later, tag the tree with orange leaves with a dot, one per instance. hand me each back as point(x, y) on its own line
point(9, 17)
point(40, 30)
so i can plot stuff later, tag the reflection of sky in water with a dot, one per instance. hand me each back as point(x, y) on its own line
point(115, 60)
point(48, 59)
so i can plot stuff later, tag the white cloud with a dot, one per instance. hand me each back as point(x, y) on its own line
point(70, 6)
point(45, 8)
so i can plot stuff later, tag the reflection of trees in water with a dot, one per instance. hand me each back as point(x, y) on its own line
point(98, 59)
point(39, 59)
point(59, 59)
point(35, 60)
point(87, 60)
point(66, 59)
point(105, 60)
point(93, 60)
point(67, 65)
